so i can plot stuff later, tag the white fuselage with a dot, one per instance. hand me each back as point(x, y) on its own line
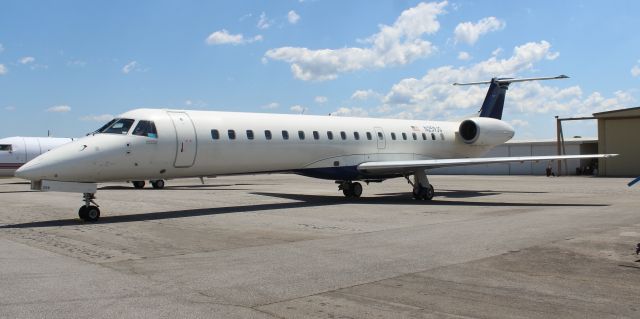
point(185, 146)
point(16, 151)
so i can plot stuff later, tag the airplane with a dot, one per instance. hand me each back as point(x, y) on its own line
point(158, 144)
point(17, 150)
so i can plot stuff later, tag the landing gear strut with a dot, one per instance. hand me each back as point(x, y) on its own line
point(351, 189)
point(88, 212)
point(422, 190)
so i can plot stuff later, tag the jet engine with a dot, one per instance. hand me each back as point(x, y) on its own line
point(485, 131)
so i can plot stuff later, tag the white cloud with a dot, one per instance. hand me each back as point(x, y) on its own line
point(97, 118)
point(59, 109)
point(293, 17)
point(131, 66)
point(635, 70)
point(1, 48)
point(321, 99)
point(264, 22)
point(271, 106)
point(297, 109)
point(354, 111)
point(27, 60)
point(469, 32)
point(398, 44)
point(519, 122)
point(434, 96)
point(464, 56)
point(365, 94)
point(3, 69)
point(224, 37)
point(10, 108)
point(497, 52)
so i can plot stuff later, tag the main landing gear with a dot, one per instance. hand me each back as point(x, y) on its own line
point(350, 189)
point(422, 190)
point(88, 212)
point(157, 184)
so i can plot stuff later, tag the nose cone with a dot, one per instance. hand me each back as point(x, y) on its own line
point(63, 163)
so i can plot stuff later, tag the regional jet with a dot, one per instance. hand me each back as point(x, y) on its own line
point(156, 144)
point(16, 151)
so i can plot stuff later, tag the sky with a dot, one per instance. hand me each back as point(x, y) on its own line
point(67, 67)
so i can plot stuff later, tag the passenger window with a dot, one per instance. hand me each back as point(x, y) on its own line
point(5, 147)
point(316, 135)
point(301, 135)
point(330, 135)
point(404, 136)
point(369, 136)
point(380, 136)
point(231, 134)
point(424, 136)
point(415, 137)
point(145, 128)
point(215, 134)
point(356, 135)
point(285, 135)
point(267, 134)
point(343, 135)
point(433, 136)
point(250, 134)
point(120, 126)
point(442, 136)
point(393, 136)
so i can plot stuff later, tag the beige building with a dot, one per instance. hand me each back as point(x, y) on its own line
point(618, 133)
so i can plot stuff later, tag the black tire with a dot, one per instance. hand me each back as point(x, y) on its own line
point(346, 190)
point(356, 189)
point(429, 192)
point(159, 184)
point(82, 212)
point(89, 214)
point(138, 184)
point(416, 193)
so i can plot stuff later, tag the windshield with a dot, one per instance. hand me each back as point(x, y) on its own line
point(146, 128)
point(117, 126)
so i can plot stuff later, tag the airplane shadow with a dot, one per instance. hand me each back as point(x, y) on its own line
point(180, 187)
point(299, 201)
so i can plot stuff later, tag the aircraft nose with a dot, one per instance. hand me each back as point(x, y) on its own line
point(32, 170)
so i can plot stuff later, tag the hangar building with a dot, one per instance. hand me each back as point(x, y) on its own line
point(618, 133)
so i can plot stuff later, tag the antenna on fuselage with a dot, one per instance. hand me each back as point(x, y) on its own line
point(494, 101)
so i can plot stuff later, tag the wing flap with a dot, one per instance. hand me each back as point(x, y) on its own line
point(403, 166)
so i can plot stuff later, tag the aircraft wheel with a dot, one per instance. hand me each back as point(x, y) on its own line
point(429, 192)
point(82, 212)
point(347, 191)
point(89, 214)
point(356, 189)
point(138, 184)
point(159, 184)
point(416, 193)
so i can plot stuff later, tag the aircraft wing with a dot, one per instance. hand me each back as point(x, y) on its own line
point(412, 165)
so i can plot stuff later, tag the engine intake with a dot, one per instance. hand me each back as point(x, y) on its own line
point(485, 131)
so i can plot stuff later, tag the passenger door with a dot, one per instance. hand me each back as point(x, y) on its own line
point(382, 143)
point(187, 144)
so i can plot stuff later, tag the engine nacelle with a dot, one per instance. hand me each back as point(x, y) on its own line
point(485, 131)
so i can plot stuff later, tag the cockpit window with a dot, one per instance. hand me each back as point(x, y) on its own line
point(119, 126)
point(146, 128)
point(5, 147)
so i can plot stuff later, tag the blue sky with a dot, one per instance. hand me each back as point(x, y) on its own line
point(67, 66)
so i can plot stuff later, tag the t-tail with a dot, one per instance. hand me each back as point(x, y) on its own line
point(494, 101)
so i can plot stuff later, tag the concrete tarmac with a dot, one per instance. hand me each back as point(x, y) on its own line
point(285, 246)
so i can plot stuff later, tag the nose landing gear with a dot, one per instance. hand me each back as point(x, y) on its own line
point(88, 212)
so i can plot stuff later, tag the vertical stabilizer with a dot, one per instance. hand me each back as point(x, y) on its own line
point(494, 101)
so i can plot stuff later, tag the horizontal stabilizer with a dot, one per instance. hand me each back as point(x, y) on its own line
point(512, 80)
point(413, 165)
